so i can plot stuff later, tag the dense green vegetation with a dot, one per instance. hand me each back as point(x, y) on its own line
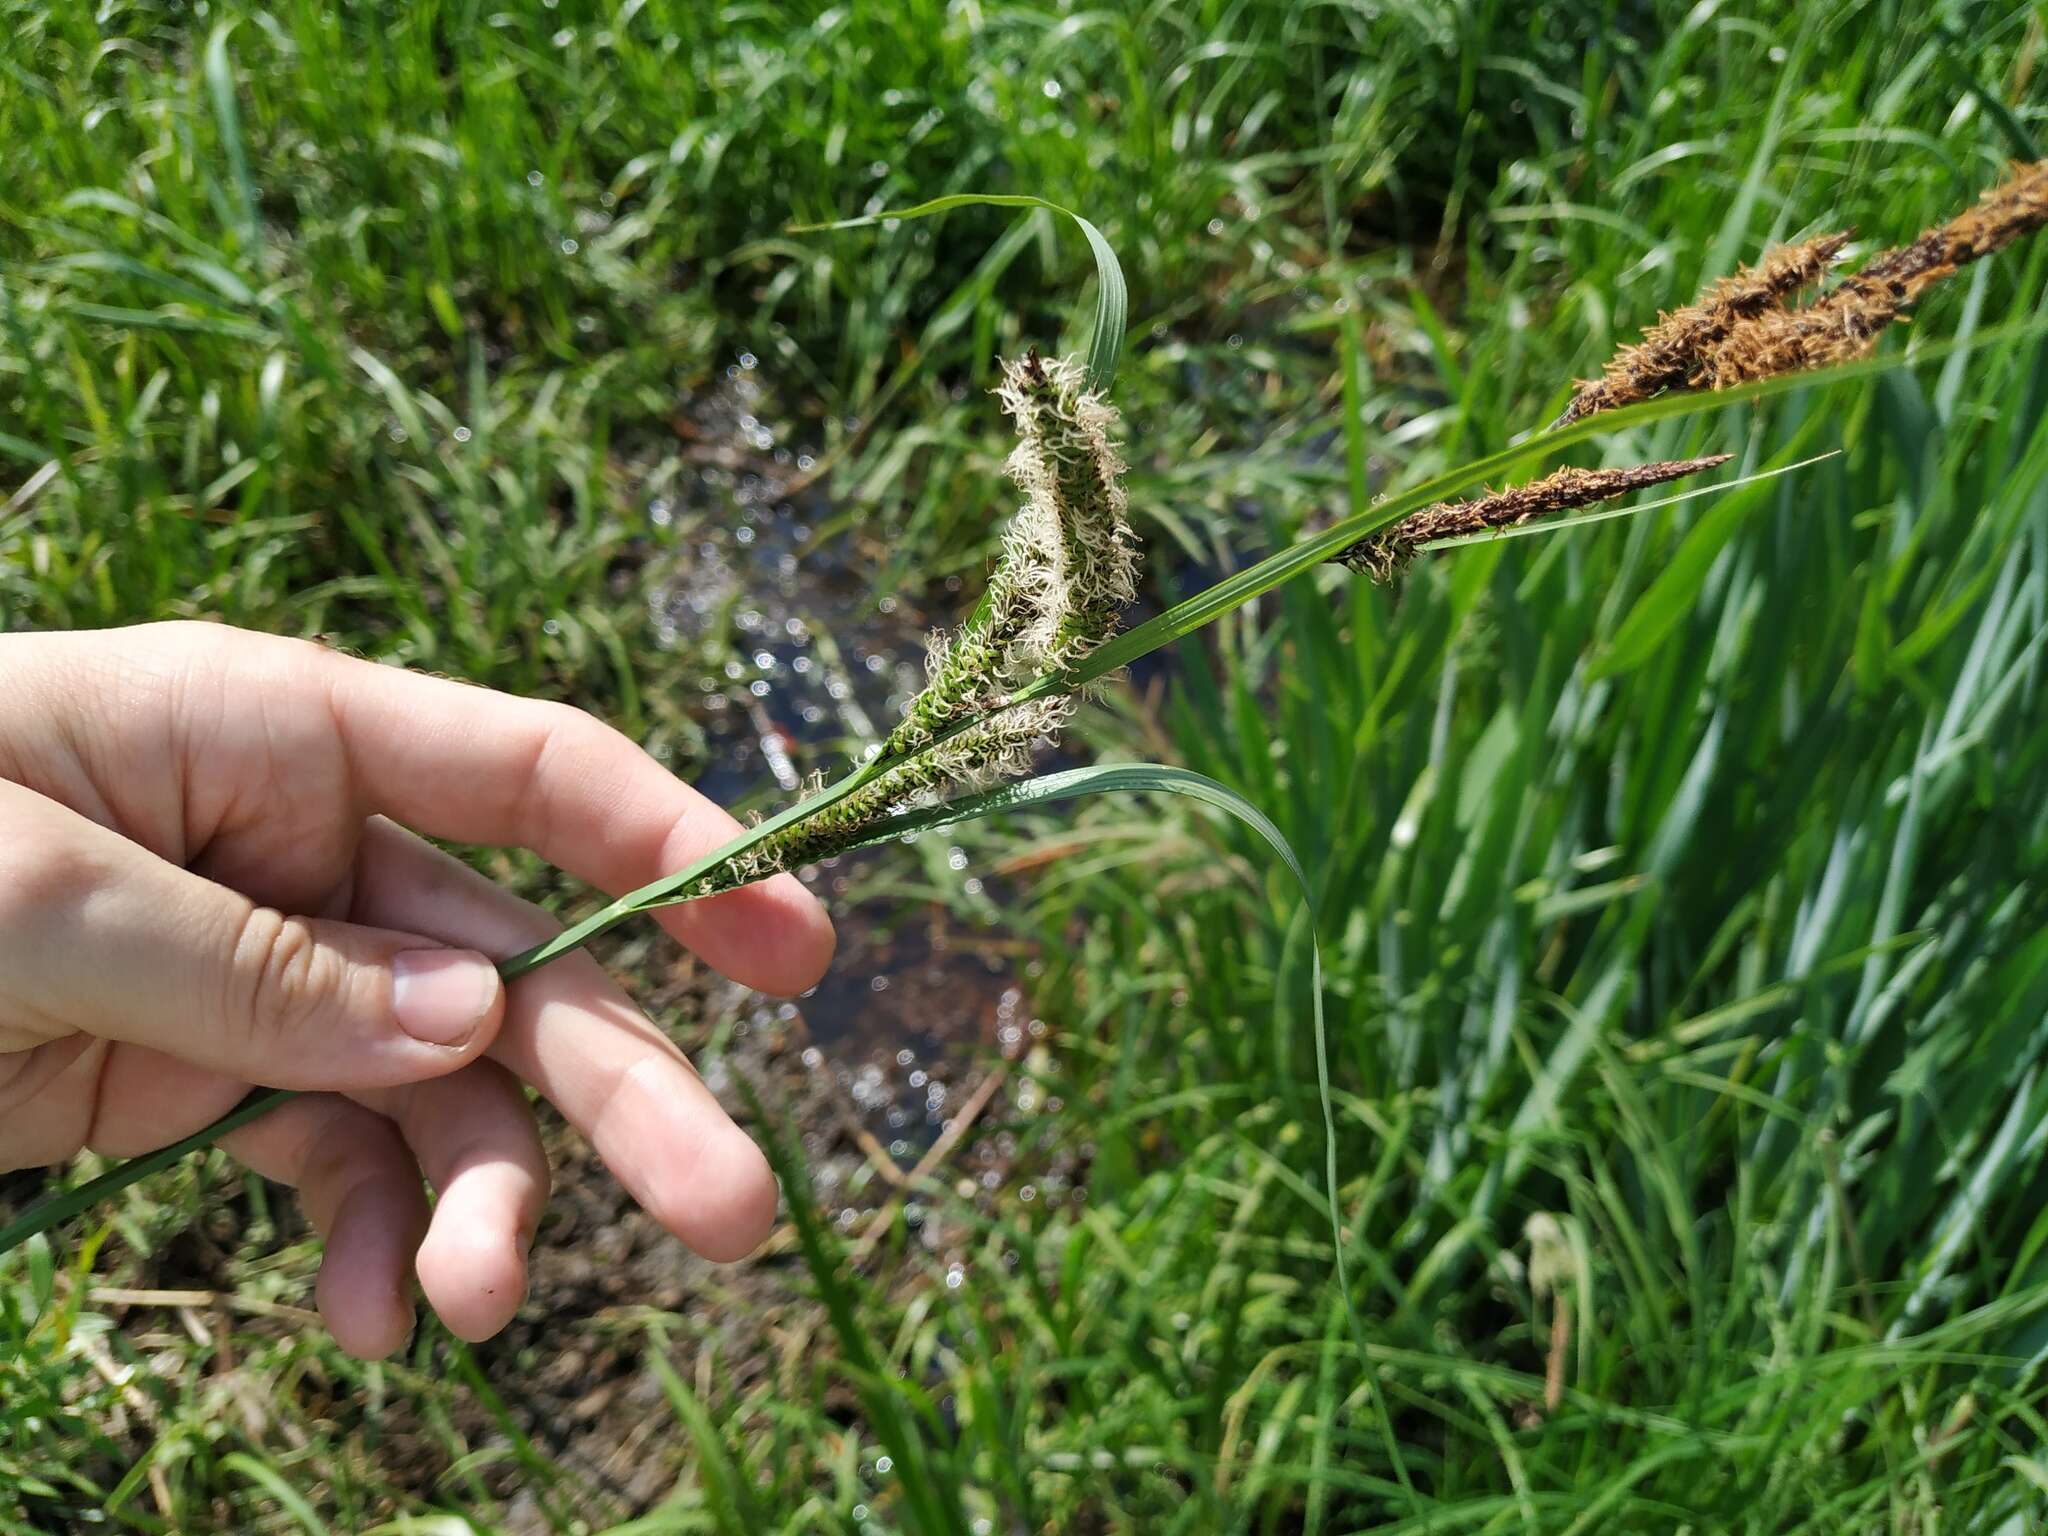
point(1681, 878)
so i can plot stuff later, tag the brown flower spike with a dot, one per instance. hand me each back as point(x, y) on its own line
point(1384, 556)
point(1670, 350)
point(1844, 323)
point(1741, 329)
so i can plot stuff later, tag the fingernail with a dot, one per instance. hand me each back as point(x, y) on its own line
point(442, 995)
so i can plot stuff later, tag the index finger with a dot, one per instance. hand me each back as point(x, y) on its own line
point(463, 763)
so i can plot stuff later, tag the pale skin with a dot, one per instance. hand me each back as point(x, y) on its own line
point(213, 874)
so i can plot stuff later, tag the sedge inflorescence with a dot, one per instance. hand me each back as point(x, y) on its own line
point(1844, 323)
point(1669, 353)
point(1384, 556)
point(1067, 570)
point(1742, 328)
point(1069, 565)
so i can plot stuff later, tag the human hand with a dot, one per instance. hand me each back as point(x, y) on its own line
point(205, 884)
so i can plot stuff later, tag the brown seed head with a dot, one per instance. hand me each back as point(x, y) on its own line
point(1845, 322)
point(1668, 354)
point(1385, 555)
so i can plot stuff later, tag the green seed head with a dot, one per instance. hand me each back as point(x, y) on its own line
point(1067, 570)
point(1068, 565)
point(1070, 542)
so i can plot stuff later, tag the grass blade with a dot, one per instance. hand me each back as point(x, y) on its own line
point(266, 1477)
point(726, 1488)
point(220, 84)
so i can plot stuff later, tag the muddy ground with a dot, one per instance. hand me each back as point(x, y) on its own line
point(870, 1091)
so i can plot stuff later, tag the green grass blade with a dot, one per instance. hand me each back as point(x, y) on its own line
point(726, 1489)
point(220, 84)
point(931, 1499)
point(1671, 596)
point(60, 1208)
point(267, 1477)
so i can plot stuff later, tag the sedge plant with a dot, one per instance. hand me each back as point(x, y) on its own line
point(1001, 687)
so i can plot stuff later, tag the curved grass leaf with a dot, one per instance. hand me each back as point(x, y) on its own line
point(1112, 297)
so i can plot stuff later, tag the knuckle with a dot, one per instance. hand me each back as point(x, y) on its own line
point(282, 977)
point(564, 719)
point(187, 636)
point(564, 739)
point(568, 734)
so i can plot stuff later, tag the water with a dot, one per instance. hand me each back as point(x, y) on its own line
point(815, 664)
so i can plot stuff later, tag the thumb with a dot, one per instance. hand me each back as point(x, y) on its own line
point(98, 935)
